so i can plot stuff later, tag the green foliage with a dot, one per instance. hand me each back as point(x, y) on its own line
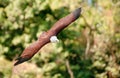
point(91, 45)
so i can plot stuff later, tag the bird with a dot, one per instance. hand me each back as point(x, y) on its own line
point(48, 36)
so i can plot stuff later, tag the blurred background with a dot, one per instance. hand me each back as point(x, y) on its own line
point(88, 48)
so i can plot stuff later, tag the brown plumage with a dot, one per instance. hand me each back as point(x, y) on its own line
point(44, 38)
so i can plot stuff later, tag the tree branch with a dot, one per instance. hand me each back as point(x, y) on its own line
point(69, 69)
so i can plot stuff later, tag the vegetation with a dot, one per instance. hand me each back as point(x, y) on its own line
point(88, 48)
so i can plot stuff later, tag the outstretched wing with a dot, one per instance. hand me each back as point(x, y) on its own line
point(44, 38)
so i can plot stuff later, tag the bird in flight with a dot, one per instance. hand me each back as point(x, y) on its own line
point(48, 36)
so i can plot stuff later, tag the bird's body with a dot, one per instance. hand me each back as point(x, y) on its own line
point(44, 38)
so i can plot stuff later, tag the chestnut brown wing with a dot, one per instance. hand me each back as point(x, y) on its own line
point(44, 38)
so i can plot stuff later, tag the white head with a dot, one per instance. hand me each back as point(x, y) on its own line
point(54, 39)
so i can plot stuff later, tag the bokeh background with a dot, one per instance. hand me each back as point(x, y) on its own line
point(88, 48)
